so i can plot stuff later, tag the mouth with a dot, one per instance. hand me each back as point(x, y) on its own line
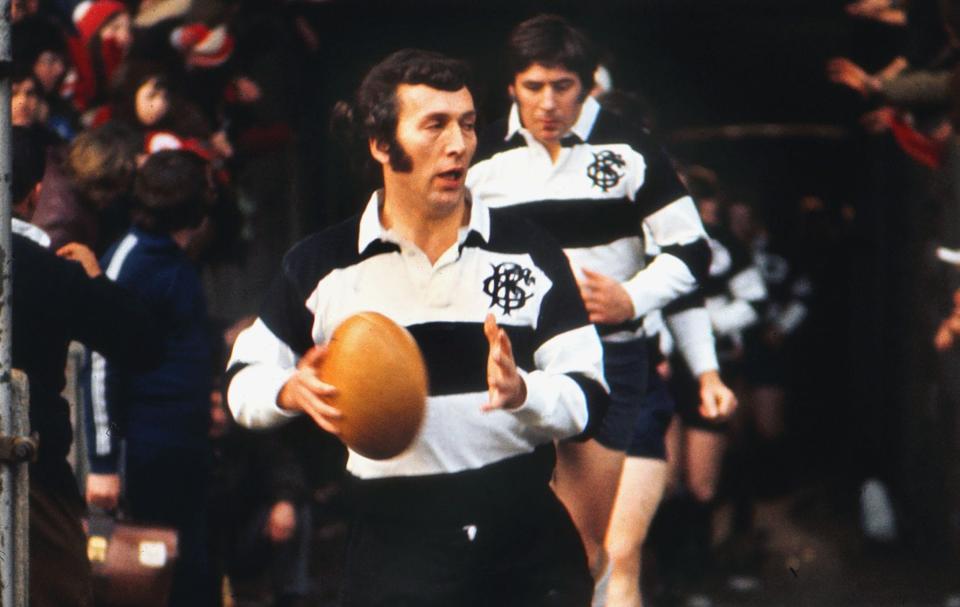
point(452, 177)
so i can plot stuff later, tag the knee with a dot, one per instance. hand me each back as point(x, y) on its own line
point(703, 490)
point(623, 552)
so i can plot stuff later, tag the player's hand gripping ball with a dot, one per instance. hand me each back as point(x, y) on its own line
point(381, 382)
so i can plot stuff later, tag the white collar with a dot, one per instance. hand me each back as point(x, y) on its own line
point(28, 230)
point(372, 230)
point(581, 128)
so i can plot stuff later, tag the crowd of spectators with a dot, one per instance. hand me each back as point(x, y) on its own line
point(144, 114)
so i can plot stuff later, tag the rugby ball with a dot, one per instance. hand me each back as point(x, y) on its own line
point(381, 381)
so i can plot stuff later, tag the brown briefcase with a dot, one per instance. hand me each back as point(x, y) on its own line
point(132, 562)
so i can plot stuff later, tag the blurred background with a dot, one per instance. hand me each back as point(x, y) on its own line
point(825, 129)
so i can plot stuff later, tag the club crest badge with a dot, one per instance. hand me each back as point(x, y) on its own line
point(506, 286)
point(606, 170)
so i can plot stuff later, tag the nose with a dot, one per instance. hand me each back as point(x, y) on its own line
point(548, 100)
point(456, 140)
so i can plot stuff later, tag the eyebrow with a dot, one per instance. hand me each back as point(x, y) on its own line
point(448, 116)
point(554, 81)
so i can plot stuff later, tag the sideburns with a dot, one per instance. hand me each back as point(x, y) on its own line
point(400, 161)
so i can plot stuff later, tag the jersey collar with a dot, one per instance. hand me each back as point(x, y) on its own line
point(581, 128)
point(371, 230)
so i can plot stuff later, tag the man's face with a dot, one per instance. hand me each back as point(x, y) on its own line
point(709, 211)
point(549, 99)
point(117, 31)
point(436, 132)
point(24, 103)
point(49, 69)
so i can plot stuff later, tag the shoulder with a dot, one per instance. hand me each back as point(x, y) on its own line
point(317, 255)
point(611, 128)
point(492, 141)
point(512, 234)
point(34, 264)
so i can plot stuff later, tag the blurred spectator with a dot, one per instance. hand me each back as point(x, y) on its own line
point(949, 329)
point(884, 11)
point(104, 38)
point(260, 507)
point(24, 100)
point(40, 46)
point(88, 201)
point(161, 416)
point(55, 302)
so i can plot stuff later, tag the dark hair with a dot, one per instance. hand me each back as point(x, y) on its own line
point(129, 77)
point(34, 35)
point(377, 95)
point(22, 71)
point(29, 161)
point(171, 192)
point(551, 41)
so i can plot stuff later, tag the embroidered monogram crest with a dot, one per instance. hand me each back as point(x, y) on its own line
point(606, 169)
point(506, 286)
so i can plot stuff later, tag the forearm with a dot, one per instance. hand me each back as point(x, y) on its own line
point(917, 89)
point(259, 367)
point(662, 281)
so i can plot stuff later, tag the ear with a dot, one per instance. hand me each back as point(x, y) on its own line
point(380, 151)
point(512, 91)
point(25, 208)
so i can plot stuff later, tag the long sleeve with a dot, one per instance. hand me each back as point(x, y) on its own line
point(265, 356)
point(104, 432)
point(693, 336)
point(681, 261)
point(918, 89)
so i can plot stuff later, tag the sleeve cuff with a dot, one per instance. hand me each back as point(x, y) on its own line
point(539, 402)
point(252, 396)
point(701, 358)
point(103, 465)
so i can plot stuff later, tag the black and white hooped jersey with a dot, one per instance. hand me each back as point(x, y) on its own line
point(735, 291)
point(497, 266)
point(606, 183)
point(790, 290)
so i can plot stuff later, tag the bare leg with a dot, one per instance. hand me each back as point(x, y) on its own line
point(586, 482)
point(674, 441)
point(641, 486)
point(704, 456)
point(768, 411)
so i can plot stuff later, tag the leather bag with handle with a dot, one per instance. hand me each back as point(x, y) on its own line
point(132, 562)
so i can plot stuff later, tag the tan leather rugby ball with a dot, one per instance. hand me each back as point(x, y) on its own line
point(381, 382)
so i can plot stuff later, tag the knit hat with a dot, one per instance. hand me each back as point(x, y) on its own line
point(203, 46)
point(90, 15)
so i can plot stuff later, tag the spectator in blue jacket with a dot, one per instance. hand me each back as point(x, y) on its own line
point(161, 417)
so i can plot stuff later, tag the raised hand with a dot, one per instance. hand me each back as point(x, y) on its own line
point(506, 387)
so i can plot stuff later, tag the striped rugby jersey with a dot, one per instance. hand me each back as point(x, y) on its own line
point(508, 268)
point(605, 184)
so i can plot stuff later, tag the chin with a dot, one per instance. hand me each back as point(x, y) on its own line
point(443, 203)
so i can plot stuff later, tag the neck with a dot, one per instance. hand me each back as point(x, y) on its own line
point(553, 148)
point(432, 233)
